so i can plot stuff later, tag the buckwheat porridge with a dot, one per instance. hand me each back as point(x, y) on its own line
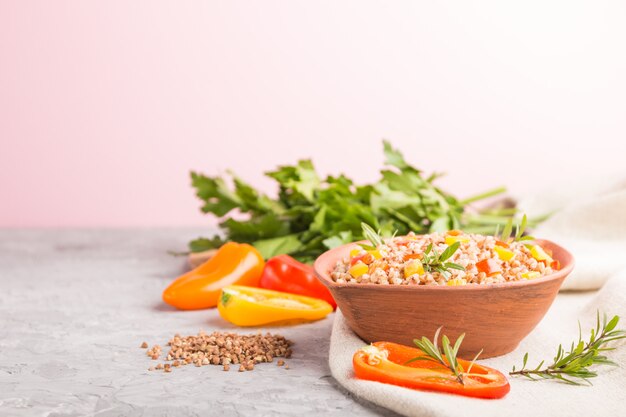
point(451, 258)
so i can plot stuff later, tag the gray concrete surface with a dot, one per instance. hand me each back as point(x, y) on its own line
point(75, 306)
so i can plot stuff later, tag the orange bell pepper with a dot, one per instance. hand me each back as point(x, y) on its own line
point(247, 306)
point(387, 362)
point(234, 263)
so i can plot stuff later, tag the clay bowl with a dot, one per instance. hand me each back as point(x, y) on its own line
point(494, 317)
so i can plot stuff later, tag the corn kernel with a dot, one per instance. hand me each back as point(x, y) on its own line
point(413, 267)
point(539, 254)
point(450, 240)
point(457, 281)
point(531, 275)
point(504, 253)
point(358, 269)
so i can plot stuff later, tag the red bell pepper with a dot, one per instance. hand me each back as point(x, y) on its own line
point(489, 267)
point(283, 273)
point(389, 363)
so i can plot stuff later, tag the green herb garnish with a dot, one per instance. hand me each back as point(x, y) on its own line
point(572, 367)
point(311, 214)
point(447, 357)
point(435, 262)
point(520, 228)
point(372, 235)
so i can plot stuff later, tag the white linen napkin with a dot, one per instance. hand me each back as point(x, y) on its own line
point(591, 225)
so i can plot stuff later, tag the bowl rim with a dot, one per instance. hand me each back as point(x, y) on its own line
point(566, 259)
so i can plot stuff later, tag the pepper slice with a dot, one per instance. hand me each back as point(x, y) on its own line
point(452, 239)
point(234, 263)
point(283, 273)
point(489, 267)
point(386, 362)
point(504, 253)
point(247, 306)
point(540, 254)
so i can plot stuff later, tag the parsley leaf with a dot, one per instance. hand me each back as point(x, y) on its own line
point(312, 214)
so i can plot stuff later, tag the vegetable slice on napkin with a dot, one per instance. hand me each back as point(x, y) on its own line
point(391, 363)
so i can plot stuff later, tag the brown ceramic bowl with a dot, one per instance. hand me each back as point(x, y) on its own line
point(493, 317)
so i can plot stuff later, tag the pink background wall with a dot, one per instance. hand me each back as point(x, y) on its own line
point(106, 106)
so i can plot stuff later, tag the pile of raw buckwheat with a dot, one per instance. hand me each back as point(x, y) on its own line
point(223, 349)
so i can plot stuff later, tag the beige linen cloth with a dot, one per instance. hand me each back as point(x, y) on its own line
point(591, 223)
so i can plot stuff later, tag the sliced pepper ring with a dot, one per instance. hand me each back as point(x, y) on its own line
point(386, 362)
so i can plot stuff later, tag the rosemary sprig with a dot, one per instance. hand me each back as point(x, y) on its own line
point(372, 235)
point(572, 367)
point(520, 228)
point(435, 262)
point(432, 260)
point(447, 356)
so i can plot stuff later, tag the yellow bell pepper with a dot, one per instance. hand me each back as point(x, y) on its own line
point(358, 269)
point(450, 240)
point(354, 252)
point(504, 253)
point(413, 267)
point(249, 306)
point(539, 254)
point(456, 282)
point(531, 275)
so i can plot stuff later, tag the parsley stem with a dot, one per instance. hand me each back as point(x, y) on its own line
point(484, 195)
